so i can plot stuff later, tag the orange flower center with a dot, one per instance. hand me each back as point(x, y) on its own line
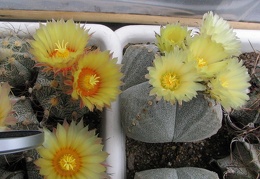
point(201, 62)
point(66, 162)
point(88, 82)
point(170, 81)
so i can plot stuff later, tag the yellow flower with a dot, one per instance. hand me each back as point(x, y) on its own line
point(220, 31)
point(5, 107)
point(230, 86)
point(172, 35)
point(207, 56)
point(57, 44)
point(173, 78)
point(96, 80)
point(71, 151)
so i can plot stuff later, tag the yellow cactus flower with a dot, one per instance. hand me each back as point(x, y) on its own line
point(97, 80)
point(57, 45)
point(229, 87)
point(207, 55)
point(173, 78)
point(71, 151)
point(220, 31)
point(172, 35)
point(5, 107)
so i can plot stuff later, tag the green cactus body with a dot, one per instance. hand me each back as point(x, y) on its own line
point(52, 98)
point(16, 64)
point(23, 112)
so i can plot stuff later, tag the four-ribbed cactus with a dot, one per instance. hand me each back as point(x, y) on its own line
point(146, 119)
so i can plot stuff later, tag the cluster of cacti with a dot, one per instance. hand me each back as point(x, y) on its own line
point(89, 76)
point(72, 80)
point(54, 86)
point(17, 69)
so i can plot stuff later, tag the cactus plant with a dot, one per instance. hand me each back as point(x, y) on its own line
point(250, 112)
point(137, 56)
point(17, 68)
point(24, 113)
point(180, 173)
point(26, 120)
point(16, 63)
point(143, 116)
point(244, 162)
point(50, 94)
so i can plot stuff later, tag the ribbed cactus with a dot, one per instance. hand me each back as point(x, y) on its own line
point(148, 120)
point(136, 57)
point(16, 64)
point(25, 115)
point(50, 93)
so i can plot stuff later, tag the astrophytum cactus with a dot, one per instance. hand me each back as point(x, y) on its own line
point(180, 173)
point(146, 119)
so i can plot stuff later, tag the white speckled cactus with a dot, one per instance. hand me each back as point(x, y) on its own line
point(148, 120)
point(16, 64)
point(180, 173)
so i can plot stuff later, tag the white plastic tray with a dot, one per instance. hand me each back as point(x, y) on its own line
point(111, 132)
